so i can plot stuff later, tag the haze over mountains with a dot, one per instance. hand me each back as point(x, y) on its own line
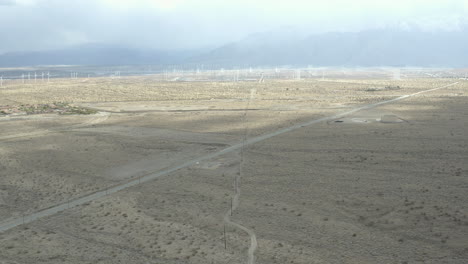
point(382, 47)
point(366, 48)
point(95, 54)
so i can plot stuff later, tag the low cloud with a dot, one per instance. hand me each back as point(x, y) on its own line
point(177, 24)
point(7, 2)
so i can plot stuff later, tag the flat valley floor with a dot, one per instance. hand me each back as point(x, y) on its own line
point(386, 184)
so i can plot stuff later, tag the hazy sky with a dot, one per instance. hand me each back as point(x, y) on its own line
point(170, 24)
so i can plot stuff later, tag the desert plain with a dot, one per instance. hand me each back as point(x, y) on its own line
point(386, 183)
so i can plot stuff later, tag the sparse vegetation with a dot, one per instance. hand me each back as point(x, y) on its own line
point(386, 88)
point(58, 108)
point(303, 191)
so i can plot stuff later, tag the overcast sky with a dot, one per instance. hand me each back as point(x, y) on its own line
point(173, 24)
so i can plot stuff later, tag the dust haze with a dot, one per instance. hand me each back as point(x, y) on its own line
point(238, 132)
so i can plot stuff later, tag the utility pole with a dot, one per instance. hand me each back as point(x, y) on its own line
point(261, 79)
point(225, 241)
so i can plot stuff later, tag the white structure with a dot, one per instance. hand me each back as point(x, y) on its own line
point(397, 74)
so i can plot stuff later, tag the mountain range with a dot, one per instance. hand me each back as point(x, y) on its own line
point(384, 47)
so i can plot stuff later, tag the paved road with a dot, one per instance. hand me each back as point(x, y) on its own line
point(7, 225)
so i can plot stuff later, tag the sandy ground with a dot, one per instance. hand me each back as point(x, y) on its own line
point(351, 190)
